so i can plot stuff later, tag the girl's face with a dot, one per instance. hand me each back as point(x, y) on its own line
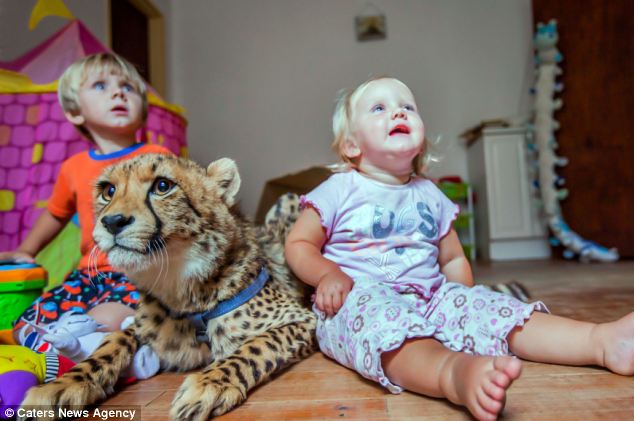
point(386, 131)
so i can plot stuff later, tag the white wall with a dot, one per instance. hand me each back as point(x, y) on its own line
point(259, 78)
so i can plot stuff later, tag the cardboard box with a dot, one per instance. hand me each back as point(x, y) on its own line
point(300, 183)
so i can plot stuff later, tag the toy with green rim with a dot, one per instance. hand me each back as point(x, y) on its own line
point(20, 285)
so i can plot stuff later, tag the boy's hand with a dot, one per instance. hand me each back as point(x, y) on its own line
point(332, 291)
point(17, 256)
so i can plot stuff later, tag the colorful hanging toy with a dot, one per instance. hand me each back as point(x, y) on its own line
point(543, 143)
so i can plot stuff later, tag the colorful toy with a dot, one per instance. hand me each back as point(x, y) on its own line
point(74, 335)
point(20, 285)
point(545, 43)
point(35, 137)
point(544, 144)
point(77, 335)
point(21, 369)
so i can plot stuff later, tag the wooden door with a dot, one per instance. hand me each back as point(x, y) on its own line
point(129, 30)
point(137, 32)
point(596, 38)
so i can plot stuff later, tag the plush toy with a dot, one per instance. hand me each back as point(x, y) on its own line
point(76, 336)
point(544, 143)
point(21, 369)
point(545, 42)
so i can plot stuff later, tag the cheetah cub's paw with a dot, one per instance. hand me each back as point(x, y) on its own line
point(204, 395)
point(62, 393)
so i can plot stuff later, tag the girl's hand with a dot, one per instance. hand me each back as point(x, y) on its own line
point(332, 291)
point(17, 256)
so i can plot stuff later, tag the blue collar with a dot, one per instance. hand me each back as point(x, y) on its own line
point(200, 320)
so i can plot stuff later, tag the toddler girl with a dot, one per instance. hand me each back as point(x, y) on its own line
point(394, 290)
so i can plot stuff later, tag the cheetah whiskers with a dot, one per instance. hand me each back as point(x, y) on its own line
point(154, 250)
point(91, 261)
point(166, 255)
point(93, 270)
point(162, 249)
point(97, 252)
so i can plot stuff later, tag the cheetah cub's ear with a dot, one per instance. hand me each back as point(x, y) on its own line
point(224, 172)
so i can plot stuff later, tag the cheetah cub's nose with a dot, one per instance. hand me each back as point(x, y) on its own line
point(116, 223)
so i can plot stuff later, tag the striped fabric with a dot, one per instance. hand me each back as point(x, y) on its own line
point(512, 288)
point(52, 366)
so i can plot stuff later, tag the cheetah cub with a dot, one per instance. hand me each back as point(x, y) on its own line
point(212, 298)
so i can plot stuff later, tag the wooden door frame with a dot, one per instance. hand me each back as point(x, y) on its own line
point(156, 37)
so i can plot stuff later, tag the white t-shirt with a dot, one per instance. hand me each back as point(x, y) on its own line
point(389, 233)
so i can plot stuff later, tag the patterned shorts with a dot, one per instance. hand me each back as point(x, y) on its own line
point(79, 293)
point(375, 319)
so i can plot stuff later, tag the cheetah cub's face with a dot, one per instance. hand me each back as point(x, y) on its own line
point(160, 217)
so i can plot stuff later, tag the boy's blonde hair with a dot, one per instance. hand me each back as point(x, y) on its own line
point(76, 74)
point(341, 128)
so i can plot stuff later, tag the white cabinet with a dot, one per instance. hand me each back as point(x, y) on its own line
point(506, 213)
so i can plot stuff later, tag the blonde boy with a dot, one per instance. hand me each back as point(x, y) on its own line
point(105, 98)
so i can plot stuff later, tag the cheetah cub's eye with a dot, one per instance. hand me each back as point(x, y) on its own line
point(108, 192)
point(162, 186)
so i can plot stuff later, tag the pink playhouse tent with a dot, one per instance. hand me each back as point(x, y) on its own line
point(35, 137)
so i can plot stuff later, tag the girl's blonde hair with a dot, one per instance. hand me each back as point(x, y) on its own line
point(77, 73)
point(342, 128)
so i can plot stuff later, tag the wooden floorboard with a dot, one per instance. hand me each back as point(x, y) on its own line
point(320, 389)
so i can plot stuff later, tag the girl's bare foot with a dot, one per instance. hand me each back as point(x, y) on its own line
point(615, 341)
point(480, 383)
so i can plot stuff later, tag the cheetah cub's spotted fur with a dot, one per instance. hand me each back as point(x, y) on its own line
point(172, 226)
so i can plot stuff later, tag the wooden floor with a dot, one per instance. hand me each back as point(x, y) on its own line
point(319, 389)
